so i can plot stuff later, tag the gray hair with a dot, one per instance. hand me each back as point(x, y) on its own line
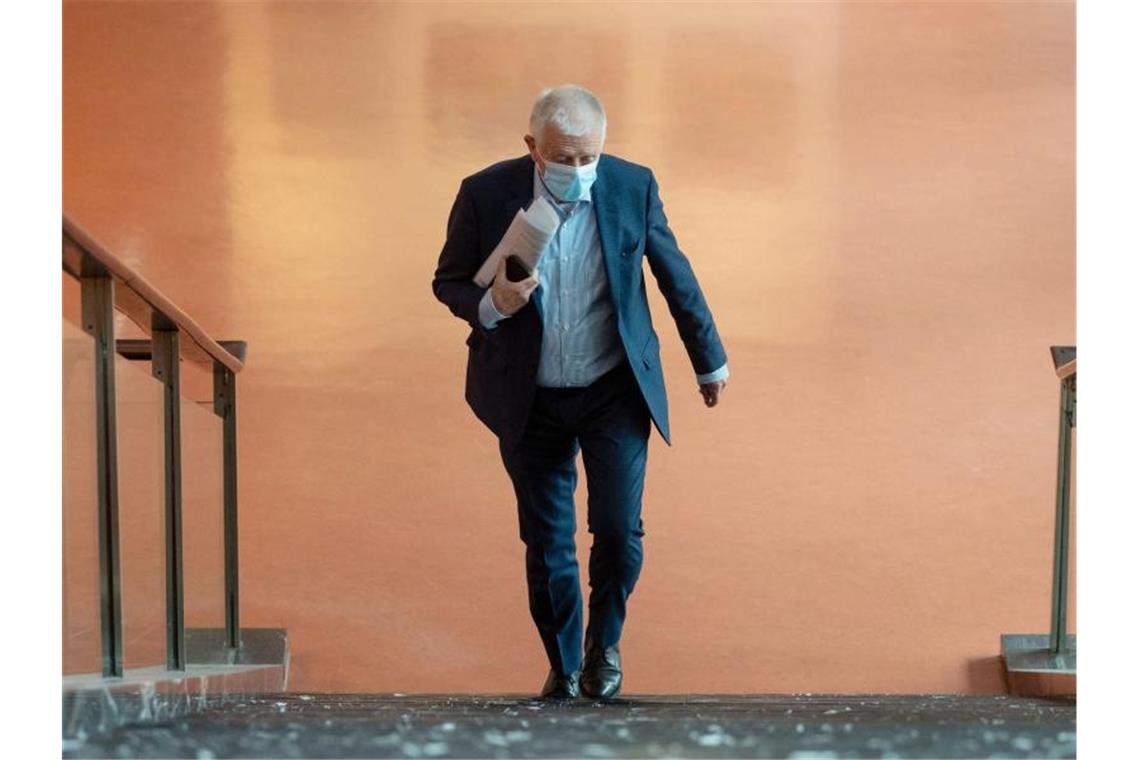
point(571, 108)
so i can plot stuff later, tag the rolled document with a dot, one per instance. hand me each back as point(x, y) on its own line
point(526, 238)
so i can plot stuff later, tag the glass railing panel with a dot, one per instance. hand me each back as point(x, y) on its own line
point(142, 506)
point(1072, 609)
point(82, 651)
point(202, 515)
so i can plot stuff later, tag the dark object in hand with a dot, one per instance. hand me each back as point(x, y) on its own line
point(516, 269)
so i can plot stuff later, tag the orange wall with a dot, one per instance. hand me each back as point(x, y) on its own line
point(878, 200)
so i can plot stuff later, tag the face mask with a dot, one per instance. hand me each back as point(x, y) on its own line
point(570, 183)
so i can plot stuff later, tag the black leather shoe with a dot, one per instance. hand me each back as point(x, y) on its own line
point(559, 686)
point(601, 670)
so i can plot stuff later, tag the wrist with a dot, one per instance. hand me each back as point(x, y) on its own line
point(500, 312)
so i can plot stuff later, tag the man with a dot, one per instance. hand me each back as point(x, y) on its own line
point(567, 360)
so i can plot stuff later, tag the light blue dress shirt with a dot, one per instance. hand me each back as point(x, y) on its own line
point(580, 340)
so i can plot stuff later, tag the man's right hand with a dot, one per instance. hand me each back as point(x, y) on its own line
point(508, 297)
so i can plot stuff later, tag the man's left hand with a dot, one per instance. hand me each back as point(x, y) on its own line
point(711, 391)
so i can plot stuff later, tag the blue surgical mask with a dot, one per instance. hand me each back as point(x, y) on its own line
point(570, 183)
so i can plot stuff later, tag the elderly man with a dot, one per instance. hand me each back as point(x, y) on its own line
point(567, 359)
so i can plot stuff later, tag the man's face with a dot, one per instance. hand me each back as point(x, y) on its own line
point(559, 148)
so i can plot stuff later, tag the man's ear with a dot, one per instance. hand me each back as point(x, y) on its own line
point(533, 147)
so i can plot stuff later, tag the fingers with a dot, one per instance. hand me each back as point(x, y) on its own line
point(510, 296)
point(710, 392)
point(530, 283)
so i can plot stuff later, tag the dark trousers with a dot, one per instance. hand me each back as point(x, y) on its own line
point(609, 421)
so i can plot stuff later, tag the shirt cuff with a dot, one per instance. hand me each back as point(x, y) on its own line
point(711, 377)
point(488, 314)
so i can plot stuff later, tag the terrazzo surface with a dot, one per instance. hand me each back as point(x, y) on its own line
point(509, 726)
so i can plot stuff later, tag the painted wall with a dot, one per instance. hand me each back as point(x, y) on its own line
point(878, 200)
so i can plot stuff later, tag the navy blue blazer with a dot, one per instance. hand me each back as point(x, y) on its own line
point(502, 363)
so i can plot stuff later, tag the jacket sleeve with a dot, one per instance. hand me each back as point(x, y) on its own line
point(459, 261)
point(678, 283)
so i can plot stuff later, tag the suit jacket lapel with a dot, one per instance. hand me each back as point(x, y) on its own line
point(606, 215)
point(520, 192)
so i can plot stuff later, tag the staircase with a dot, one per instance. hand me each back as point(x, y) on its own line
point(707, 725)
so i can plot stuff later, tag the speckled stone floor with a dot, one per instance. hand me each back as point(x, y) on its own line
point(761, 725)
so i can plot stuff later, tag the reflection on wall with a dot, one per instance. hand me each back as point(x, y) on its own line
point(480, 78)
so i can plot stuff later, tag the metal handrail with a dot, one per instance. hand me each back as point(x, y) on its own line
point(107, 284)
point(142, 302)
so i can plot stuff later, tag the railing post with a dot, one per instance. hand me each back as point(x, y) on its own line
point(164, 366)
point(1060, 597)
point(98, 303)
point(225, 406)
point(1040, 664)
